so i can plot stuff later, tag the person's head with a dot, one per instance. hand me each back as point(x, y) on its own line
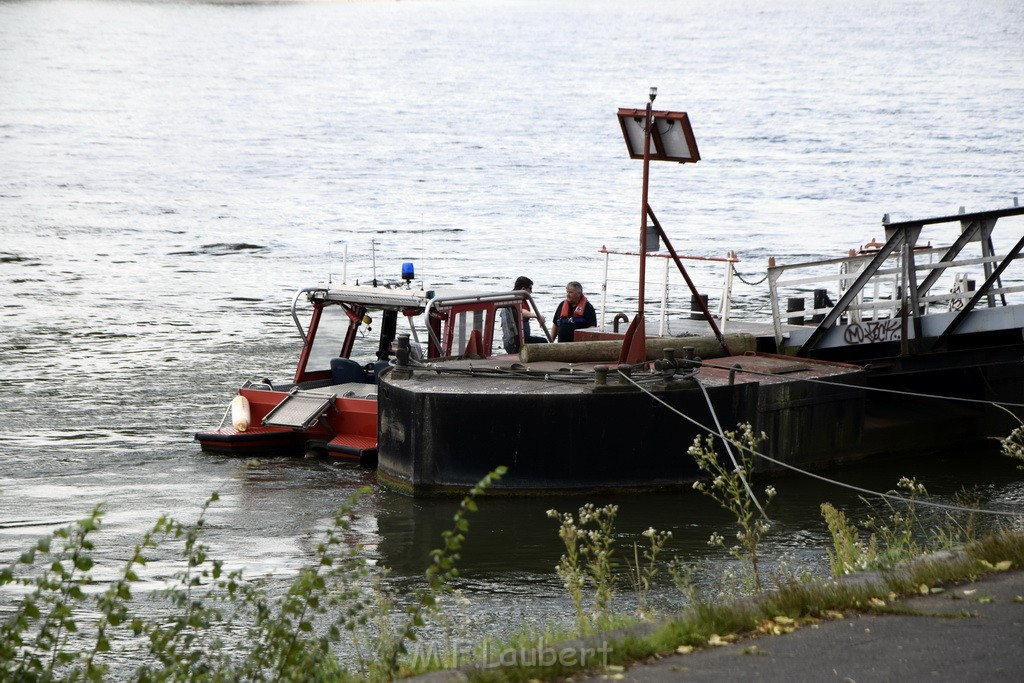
point(573, 292)
point(523, 282)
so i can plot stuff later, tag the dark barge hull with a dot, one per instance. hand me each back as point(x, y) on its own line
point(986, 372)
point(440, 433)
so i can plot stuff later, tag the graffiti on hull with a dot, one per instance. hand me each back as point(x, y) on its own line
point(873, 331)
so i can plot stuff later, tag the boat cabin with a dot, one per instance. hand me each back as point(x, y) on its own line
point(330, 406)
point(440, 325)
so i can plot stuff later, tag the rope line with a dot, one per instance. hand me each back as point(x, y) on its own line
point(739, 470)
point(890, 496)
point(897, 392)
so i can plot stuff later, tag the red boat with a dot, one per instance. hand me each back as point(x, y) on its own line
point(330, 406)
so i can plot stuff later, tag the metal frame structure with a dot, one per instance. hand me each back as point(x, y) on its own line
point(912, 297)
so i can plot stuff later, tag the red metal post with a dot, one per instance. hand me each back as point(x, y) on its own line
point(643, 207)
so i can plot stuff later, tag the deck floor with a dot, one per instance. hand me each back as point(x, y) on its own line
point(498, 374)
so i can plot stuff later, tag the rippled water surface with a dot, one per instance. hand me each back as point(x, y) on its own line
point(170, 173)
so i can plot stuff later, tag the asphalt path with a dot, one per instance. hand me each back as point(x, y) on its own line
point(971, 632)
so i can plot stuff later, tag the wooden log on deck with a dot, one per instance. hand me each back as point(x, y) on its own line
point(608, 351)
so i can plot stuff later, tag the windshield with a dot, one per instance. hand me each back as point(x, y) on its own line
point(330, 337)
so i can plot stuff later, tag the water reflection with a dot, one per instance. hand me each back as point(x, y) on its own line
point(515, 535)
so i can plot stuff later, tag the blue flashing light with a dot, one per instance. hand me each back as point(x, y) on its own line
point(408, 273)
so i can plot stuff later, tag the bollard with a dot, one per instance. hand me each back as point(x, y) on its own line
point(821, 300)
point(402, 352)
point(600, 375)
point(795, 304)
point(695, 311)
point(669, 364)
point(625, 371)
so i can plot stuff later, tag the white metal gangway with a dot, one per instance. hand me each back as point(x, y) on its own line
point(885, 290)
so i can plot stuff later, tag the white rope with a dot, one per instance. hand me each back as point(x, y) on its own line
point(739, 470)
point(898, 392)
point(720, 434)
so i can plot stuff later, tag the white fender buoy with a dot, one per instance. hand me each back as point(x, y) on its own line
point(240, 413)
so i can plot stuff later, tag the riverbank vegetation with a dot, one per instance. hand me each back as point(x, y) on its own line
point(210, 622)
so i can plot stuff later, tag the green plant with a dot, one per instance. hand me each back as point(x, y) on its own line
point(1012, 445)
point(729, 486)
point(849, 553)
point(683, 578)
point(442, 569)
point(641, 574)
point(211, 624)
point(589, 561)
point(589, 558)
point(569, 567)
point(961, 526)
point(368, 622)
point(898, 533)
point(35, 641)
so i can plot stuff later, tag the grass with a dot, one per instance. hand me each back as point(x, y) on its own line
point(788, 607)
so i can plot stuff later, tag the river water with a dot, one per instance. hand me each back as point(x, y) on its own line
point(171, 172)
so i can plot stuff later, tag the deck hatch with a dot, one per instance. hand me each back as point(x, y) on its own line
point(299, 410)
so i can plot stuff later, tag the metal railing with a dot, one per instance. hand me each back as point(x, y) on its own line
point(900, 279)
point(666, 309)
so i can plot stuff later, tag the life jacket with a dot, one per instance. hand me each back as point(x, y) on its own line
point(577, 313)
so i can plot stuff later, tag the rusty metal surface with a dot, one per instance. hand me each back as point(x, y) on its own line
point(763, 369)
point(770, 369)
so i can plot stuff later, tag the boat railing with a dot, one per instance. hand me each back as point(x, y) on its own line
point(900, 278)
point(619, 287)
point(474, 312)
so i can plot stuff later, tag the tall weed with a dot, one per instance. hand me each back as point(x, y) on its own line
point(590, 561)
point(730, 487)
point(213, 624)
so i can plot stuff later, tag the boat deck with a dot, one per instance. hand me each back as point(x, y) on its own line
point(558, 428)
point(510, 375)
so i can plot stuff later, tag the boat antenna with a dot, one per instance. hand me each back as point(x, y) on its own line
point(373, 259)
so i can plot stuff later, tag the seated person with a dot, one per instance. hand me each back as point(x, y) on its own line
point(509, 320)
point(575, 313)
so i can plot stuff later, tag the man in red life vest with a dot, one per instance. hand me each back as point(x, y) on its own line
point(573, 314)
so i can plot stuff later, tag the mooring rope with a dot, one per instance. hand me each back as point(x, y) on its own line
point(890, 496)
point(726, 442)
point(897, 392)
point(586, 375)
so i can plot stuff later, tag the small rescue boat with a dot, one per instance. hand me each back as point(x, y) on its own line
point(330, 405)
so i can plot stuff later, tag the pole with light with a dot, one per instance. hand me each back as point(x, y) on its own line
point(648, 120)
point(657, 136)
